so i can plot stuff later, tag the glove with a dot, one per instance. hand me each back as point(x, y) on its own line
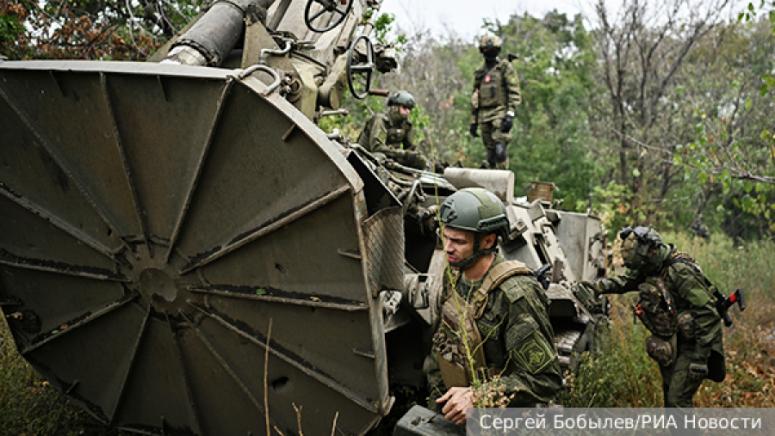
point(472, 130)
point(698, 371)
point(507, 123)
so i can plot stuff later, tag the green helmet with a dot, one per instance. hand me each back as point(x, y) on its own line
point(401, 98)
point(643, 248)
point(490, 41)
point(476, 210)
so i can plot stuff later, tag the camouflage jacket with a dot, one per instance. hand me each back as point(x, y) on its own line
point(383, 134)
point(691, 293)
point(496, 91)
point(517, 341)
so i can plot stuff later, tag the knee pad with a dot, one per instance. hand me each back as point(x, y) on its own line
point(661, 350)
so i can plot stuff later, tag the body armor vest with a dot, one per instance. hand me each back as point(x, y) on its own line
point(395, 135)
point(492, 87)
point(457, 345)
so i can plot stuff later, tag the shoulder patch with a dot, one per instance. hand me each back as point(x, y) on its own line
point(534, 354)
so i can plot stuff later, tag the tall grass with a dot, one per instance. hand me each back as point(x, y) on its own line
point(622, 375)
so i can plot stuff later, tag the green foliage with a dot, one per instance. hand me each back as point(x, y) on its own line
point(731, 156)
point(552, 138)
point(611, 204)
point(384, 27)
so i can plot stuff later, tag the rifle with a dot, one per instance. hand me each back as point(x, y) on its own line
point(724, 303)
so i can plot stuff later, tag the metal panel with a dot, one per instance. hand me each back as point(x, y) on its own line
point(153, 233)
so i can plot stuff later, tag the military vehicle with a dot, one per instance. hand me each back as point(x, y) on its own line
point(184, 251)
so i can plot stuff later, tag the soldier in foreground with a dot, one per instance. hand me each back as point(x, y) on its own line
point(678, 305)
point(493, 317)
point(391, 133)
point(494, 102)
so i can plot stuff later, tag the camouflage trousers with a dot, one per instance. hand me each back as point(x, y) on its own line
point(678, 386)
point(492, 135)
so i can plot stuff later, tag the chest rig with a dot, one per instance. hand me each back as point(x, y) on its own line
point(656, 308)
point(395, 132)
point(458, 344)
point(492, 87)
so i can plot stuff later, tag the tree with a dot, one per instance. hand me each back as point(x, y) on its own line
point(90, 29)
point(642, 52)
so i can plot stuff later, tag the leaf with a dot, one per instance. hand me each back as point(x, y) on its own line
point(260, 291)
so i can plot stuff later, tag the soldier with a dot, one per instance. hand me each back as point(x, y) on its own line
point(493, 315)
point(677, 305)
point(391, 134)
point(494, 102)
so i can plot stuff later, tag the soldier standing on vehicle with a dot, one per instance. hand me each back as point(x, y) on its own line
point(493, 315)
point(391, 133)
point(494, 102)
point(677, 304)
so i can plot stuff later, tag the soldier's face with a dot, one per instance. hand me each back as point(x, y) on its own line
point(404, 111)
point(631, 252)
point(458, 244)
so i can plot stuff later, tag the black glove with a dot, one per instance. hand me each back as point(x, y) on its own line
point(507, 123)
point(472, 130)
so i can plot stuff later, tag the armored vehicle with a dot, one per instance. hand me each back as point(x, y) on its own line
point(184, 251)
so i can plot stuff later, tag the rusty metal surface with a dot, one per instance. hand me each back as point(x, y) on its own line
point(157, 220)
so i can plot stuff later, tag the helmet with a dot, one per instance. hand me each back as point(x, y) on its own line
point(490, 41)
point(475, 210)
point(642, 248)
point(401, 98)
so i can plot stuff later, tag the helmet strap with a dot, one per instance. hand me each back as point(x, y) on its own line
point(469, 261)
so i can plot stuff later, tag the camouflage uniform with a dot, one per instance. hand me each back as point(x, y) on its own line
point(677, 305)
point(515, 332)
point(494, 102)
point(390, 134)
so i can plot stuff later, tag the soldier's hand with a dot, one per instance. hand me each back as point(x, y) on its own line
point(472, 130)
point(458, 403)
point(507, 123)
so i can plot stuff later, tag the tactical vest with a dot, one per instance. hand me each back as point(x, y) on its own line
point(457, 345)
point(395, 136)
point(492, 86)
point(656, 309)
